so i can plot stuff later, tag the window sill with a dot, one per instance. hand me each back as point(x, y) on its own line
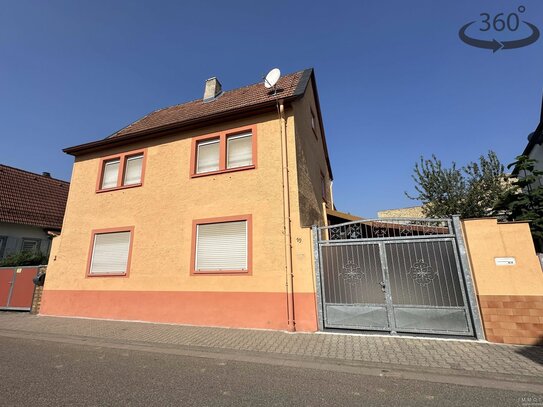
point(98, 191)
point(108, 275)
point(221, 273)
point(205, 174)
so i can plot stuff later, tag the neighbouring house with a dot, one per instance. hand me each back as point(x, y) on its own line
point(31, 210)
point(410, 212)
point(534, 148)
point(199, 213)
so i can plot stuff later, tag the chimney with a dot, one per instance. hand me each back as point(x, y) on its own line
point(46, 174)
point(212, 90)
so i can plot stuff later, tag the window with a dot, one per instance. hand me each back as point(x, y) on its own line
point(132, 171)
point(323, 186)
point(3, 242)
point(223, 152)
point(313, 123)
point(111, 174)
point(208, 156)
point(239, 150)
point(222, 246)
point(122, 171)
point(110, 252)
point(31, 245)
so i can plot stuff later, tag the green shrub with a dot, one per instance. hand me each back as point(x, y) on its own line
point(24, 259)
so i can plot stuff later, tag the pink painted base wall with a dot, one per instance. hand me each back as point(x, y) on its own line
point(227, 309)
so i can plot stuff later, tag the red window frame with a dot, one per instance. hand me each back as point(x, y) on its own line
point(222, 137)
point(225, 219)
point(95, 232)
point(122, 157)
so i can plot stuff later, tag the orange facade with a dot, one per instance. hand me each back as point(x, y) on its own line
point(160, 283)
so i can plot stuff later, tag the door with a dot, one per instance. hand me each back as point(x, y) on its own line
point(23, 289)
point(426, 287)
point(6, 279)
point(354, 287)
point(17, 288)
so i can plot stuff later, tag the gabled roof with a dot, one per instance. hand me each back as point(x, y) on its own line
point(229, 105)
point(228, 101)
point(31, 199)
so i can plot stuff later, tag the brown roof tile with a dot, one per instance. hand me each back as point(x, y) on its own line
point(228, 101)
point(31, 199)
point(231, 103)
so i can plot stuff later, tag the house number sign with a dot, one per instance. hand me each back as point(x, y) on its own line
point(505, 261)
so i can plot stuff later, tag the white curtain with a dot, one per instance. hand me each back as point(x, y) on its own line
point(111, 171)
point(132, 171)
point(208, 156)
point(239, 151)
point(221, 246)
point(110, 253)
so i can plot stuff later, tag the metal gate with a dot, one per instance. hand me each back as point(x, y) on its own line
point(395, 275)
point(17, 287)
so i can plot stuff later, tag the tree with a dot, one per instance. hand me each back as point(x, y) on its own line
point(471, 191)
point(524, 202)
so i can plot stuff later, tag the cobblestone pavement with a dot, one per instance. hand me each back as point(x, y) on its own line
point(449, 355)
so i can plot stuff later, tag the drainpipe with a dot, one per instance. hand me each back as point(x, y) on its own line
point(286, 221)
point(331, 195)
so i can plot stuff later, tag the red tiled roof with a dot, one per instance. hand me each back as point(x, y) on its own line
point(228, 101)
point(230, 104)
point(31, 199)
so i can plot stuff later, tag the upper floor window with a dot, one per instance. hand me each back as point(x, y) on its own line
point(323, 187)
point(208, 156)
point(313, 122)
point(121, 171)
point(239, 150)
point(226, 151)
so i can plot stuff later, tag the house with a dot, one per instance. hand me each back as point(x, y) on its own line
point(534, 148)
point(199, 213)
point(31, 210)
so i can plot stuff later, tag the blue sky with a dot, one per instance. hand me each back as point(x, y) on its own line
point(395, 82)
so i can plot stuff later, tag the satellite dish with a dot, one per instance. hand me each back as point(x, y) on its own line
point(272, 77)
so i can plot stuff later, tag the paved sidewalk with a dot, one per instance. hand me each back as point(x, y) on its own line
point(447, 355)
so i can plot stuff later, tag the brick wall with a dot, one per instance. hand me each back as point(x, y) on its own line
point(36, 300)
point(513, 319)
point(38, 290)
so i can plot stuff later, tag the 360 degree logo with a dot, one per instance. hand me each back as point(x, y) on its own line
point(499, 23)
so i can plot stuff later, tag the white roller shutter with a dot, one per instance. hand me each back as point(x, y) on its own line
point(132, 172)
point(208, 156)
point(110, 253)
point(221, 246)
point(110, 175)
point(239, 150)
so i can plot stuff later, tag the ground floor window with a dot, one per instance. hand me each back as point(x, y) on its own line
point(30, 245)
point(110, 252)
point(222, 245)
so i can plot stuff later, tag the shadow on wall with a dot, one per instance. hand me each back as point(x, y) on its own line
point(534, 352)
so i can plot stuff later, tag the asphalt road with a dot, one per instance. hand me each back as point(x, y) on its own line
point(44, 373)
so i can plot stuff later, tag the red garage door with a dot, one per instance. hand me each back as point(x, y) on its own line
point(17, 287)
